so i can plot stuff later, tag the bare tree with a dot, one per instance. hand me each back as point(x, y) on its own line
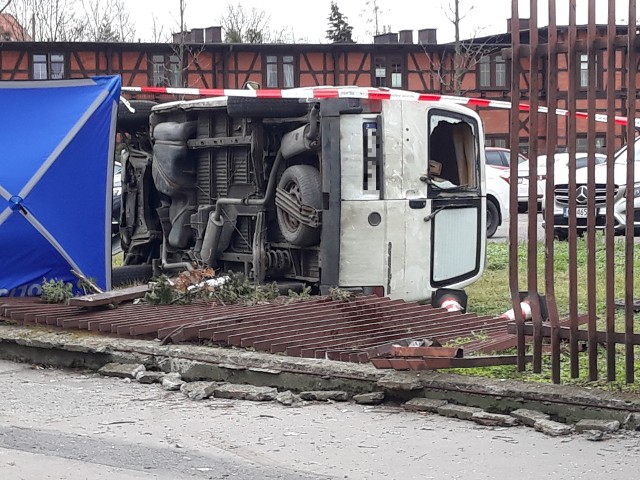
point(181, 47)
point(186, 53)
point(452, 66)
point(158, 34)
point(48, 20)
point(4, 7)
point(373, 14)
point(73, 20)
point(106, 21)
point(242, 26)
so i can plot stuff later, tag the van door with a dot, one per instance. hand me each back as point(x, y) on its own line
point(456, 196)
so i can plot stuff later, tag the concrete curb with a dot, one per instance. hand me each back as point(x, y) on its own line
point(92, 351)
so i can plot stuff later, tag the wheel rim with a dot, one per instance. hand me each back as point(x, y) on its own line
point(293, 190)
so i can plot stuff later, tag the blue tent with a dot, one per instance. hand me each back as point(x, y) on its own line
point(57, 143)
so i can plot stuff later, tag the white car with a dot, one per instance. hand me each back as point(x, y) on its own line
point(500, 157)
point(561, 195)
point(497, 198)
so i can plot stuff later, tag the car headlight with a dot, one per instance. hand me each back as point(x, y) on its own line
point(636, 190)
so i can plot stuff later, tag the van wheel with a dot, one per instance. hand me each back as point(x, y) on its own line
point(128, 275)
point(493, 218)
point(302, 183)
point(133, 122)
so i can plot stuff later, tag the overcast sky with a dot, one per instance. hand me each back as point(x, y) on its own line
point(307, 20)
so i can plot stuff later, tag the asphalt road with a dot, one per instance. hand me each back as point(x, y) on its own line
point(76, 425)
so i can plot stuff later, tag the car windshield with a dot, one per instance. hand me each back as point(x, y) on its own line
point(621, 156)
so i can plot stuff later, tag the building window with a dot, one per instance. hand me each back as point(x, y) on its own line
point(388, 72)
point(492, 72)
point(584, 71)
point(280, 71)
point(48, 66)
point(495, 141)
point(166, 71)
point(582, 144)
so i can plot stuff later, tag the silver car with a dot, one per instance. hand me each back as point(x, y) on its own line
point(621, 190)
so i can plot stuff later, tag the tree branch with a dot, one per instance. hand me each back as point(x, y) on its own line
point(7, 3)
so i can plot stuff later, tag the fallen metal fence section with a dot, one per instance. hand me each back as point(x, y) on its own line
point(358, 330)
point(591, 68)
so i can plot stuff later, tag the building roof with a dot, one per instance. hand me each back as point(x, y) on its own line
point(11, 30)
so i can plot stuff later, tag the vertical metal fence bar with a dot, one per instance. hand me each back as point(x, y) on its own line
point(591, 188)
point(552, 138)
point(609, 229)
point(629, 239)
point(514, 129)
point(532, 217)
point(574, 71)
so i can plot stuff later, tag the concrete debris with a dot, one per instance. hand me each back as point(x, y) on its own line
point(632, 422)
point(554, 429)
point(599, 425)
point(594, 435)
point(150, 377)
point(529, 417)
point(424, 405)
point(494, 419)
point(198, 390)
point(400, 381)
point(287, 398)
point(325, 395)
point(245, 392)
point(373, 398)
point(172, 382)
point(458, 411)
point(121, 370)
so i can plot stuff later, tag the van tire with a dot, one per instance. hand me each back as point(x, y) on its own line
point(303, 183)
point(128, 275)
point(493, 218)
point(251, 107)
point(133, 122)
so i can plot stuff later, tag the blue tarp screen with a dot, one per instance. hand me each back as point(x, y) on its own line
point(56, 165)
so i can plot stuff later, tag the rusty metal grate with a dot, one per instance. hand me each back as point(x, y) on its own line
point(350, 331)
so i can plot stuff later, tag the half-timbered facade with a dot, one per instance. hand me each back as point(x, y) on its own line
point(393, 61)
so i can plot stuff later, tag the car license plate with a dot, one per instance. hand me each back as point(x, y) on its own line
point(581, 212)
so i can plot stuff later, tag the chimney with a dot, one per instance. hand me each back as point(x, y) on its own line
point(523, 24)
point(427, 36)
point(197, 35)
point(406, 36)
point(213, 35)
point(386, 38)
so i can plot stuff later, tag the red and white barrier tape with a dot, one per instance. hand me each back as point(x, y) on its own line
point(363, 93)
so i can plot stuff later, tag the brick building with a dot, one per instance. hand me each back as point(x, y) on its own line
point(407, 60)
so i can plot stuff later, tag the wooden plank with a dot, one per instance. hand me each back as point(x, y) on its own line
point(106, 298)
point(401, 351)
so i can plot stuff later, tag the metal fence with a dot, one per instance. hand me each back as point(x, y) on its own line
point(586, 76)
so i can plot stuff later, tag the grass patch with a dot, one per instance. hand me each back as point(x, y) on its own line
point(116, 260)
point(490, 295)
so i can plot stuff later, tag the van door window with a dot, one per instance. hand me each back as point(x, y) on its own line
point(453, 151)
